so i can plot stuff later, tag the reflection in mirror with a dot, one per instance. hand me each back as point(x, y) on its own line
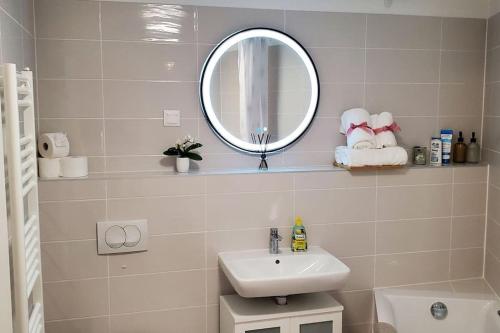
point(259, 80)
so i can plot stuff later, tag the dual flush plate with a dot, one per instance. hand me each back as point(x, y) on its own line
point(122, 236)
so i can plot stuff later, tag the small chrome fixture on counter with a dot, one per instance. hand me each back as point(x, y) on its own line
point(274, 239)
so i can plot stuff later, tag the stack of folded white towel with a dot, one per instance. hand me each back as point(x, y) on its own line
point(370, 140)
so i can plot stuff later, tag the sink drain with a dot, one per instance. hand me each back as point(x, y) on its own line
point(439, 310)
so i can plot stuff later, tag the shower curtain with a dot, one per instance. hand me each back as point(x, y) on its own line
point(253, 57)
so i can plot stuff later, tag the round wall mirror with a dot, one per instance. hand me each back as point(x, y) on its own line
point(259, 81)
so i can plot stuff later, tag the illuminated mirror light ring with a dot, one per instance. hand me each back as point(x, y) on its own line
point(206, 79)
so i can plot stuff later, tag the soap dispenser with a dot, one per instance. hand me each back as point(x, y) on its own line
point(459, 150)
point(299, 237)
point(473, 150)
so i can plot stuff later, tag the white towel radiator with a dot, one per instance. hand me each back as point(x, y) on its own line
point(20, 148)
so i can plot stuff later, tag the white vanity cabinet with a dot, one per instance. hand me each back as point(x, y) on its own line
point(307, 313)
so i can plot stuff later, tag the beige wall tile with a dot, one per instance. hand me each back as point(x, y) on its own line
point(327, 180)
point(493, 31)
point(321, 136)
point(416, 176)
point(139, 163)
point(403, 99)
point(70, 220)
point(414, 235)
point(72, 260)
point(70, 98)
point(213, 319)
point(139, 99)
point(493, 238)
point(249, 210)
point(217, 285)
point(165, 253)
point(462, 67)
point(68, 59)
point(165, 215)
point(336, 205)
point(362, 273)
point(324, 29)
point(467, 263)
point(85, 135)
point(344, 240)
point(493, 209)
point(469, 199)
point(491, 137)
point(403, 32)
point(338, 97)
point(147, 22)
point(75, 299)
point(492, 272)
point(250, 183)
point(214, 24)
point(463, 34)
point(414, 202)
point(410, 268)
point(338, 65)
point(61, 190)
point(416, 131)
point(493, 159)
point(493, 72)
point(149, 61)
point(157, 291)
point(467, 232)
point(87, 325)
point(358, 306)
point(470, 175)
point(492, 99)
point(181, 321)
point(460, 99)
point(155, 186)
point(391, 66)
point(122, 138)
point(12, 43)
point(298, 158)
point(473, 286)
point(69, 19)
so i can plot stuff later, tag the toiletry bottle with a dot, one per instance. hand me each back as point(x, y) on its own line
point(459, 150)
point(446, 138)
point(299, 237)
point(473, 150)
point(436, 151)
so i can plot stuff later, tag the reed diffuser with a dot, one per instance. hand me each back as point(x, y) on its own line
point(262, 140)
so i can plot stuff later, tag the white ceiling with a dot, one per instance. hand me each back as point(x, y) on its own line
point(448, 8)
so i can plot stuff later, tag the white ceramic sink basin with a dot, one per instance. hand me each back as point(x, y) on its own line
point(258, 273)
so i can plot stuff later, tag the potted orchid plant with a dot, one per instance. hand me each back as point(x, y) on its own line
point(184, 150)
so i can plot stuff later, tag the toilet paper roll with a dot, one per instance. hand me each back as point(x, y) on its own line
point(74, 167)
point(53, 145)
point(49, 167)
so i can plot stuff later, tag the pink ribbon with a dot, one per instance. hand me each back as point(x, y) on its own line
point(391, 128)
point(364, 126)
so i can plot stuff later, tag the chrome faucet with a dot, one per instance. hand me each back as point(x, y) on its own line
point(274, 238)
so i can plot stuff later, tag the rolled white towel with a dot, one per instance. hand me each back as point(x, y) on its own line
point(371, 157)
point(356, 124)
point(384, 128)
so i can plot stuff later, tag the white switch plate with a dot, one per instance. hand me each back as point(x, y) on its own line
point(171, 118)
point(122, 236)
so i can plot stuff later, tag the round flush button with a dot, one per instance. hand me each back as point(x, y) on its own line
point(133, 235)
point(115, 237)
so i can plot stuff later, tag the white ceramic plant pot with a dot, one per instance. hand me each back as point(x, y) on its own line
point(182, 164)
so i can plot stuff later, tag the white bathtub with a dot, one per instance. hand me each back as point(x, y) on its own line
point(408, 311)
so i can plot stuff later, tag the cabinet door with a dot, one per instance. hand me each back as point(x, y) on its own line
point(325, 323)
point(268, 326)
